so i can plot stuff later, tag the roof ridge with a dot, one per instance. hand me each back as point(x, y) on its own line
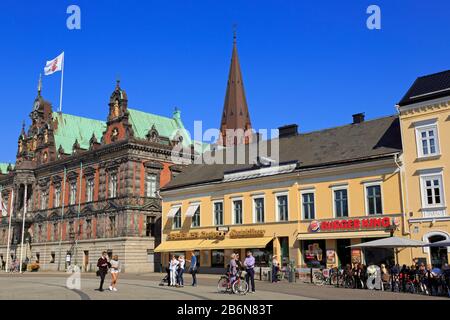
point(153, 114)
point(433, 74)
point(73, 115)
point(348, 125)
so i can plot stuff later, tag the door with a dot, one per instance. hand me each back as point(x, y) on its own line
point(343, 252)
point(438, 255)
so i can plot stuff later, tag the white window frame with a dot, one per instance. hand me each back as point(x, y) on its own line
point(426, 176)
point(151, 185)
point(90, 187)
point(73, 193)
point(113, 181)
point(337, 188)
point(214, 212)
point(200, 217)
point(279, 194)
point(57, 197)
point(366, 199)
point(233, 212)
point(427, 126)
point(307, 191)
point(181, 218)
point(254, 198)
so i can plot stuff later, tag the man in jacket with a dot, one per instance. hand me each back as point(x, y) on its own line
point(103, 266)
point(249, 264)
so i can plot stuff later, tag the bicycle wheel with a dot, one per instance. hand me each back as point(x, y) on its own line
point(318, 278)
point(240, 287)
point(349, 283)
point(222, 286)
point(334, 279)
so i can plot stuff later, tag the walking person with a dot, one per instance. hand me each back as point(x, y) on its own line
point(103, 265)
point(181, 265)
point(173, 271)
point(115, 269)
point(249, 264)
point(275, 268)
point(193, 268)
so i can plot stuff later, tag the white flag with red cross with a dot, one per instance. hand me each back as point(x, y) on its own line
point(54, 65)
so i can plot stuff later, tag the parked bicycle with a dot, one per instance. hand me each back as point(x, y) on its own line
point(238, 286)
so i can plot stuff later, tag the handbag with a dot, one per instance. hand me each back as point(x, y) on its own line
point(98, 273)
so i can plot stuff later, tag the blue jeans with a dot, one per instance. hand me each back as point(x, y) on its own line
point(180, 277)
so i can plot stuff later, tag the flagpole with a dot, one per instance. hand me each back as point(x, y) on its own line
point(23, 226)
point(62, 83)
point(62, 216)
point(8, 247)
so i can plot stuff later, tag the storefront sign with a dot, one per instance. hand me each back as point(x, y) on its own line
point(356, 256)
point(314, 252)
point(350, 224)
point(247, 233)
point(196, 235)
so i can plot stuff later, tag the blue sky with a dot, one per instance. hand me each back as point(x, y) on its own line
point(313, 63)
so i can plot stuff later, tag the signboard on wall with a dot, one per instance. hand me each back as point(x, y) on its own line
point(356, 256)
point(331, 257)
point(355, 224)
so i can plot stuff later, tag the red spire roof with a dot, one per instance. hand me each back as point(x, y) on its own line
point(235, 111)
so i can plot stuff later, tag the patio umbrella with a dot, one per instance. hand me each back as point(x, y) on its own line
point(390, 243)
point(443, 243)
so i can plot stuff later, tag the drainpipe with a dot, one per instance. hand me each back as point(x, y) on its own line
point(405, 206)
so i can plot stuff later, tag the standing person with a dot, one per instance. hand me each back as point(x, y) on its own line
point(115, 269)
point(249, 264)
point(193, 268)
point(173, 271)
point(181, 264)
point(275, 268)
point(103, 266)
point(232, 268)
point(240, 267)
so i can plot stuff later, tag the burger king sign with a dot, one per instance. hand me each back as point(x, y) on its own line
point(314, 226)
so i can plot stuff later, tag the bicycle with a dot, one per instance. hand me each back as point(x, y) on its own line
point(239, 285)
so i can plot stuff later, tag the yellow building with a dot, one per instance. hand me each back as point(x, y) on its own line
point(425, 127)
point(331, 189)
point(319, 193)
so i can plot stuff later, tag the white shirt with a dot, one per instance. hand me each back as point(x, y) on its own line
point(182, 263)
point(173, 264)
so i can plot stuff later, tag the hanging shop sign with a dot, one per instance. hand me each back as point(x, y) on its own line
point(350, 224)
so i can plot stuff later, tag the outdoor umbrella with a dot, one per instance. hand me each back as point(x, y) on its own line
point(443, 243)
point(390, 243)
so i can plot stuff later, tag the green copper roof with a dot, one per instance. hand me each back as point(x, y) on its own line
point(72, 128)
point(4, 167)
point(167, 127)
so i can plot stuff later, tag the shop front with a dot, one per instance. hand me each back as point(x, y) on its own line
point(327, 242)
point(214, 248)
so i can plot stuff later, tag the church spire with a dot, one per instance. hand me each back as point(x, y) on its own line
point(235, 110)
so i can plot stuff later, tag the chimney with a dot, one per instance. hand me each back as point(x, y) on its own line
point(289, 130)
point(358, 118)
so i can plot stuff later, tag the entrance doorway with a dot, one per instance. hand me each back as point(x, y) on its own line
point(343, 252)
point(438, 255)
